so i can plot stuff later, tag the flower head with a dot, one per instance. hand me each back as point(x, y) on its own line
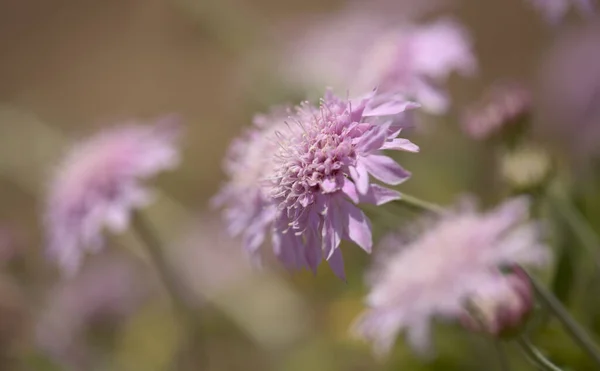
point(436, 274)
point(98, 184)
point(502, 105)
point(358, 52)
point(555, 10)
point(502, 309)
point(316, 168)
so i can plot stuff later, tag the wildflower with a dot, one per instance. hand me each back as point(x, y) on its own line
point(315, 167)
point(502, 309)
point(502, 106)
point(457, 259)
point(555, 10)
point(98, 184)
point(357, 52)
point(415, 62)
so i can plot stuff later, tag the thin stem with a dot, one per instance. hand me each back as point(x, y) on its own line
point(502, 358)
point(576, 332)
point(420, 204)
point(185, 314)
point(580, 227)
point(535, 356)
point(153, 246)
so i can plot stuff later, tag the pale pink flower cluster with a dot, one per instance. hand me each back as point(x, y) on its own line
point(99, 183)
point(458, 258)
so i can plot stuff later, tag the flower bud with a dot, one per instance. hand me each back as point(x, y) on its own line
point(502, 308)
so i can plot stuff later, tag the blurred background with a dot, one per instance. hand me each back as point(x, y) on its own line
point(68, 68)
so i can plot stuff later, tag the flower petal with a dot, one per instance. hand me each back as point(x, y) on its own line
point(384, 169)
point(379, 195)
point(333, 229)
point(336, 262)
point(358, 228)
point(349, 190)
point(360, 176)
point(373, 139)
point(401, 144)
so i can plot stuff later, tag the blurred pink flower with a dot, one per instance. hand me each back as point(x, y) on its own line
point(555, 10)
point(315, 167)
point(106, 292)
point(569, 92)
point(98, 184)
point(359, 52)
point(502, 309)
point(434, 275)
point(502, 104)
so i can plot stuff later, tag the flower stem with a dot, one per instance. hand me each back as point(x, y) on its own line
point(185, 314)
point(502, 359)
point(153, 247)
point(580, 226)
point(535, 356)
point(576, 332)
point(417, 203)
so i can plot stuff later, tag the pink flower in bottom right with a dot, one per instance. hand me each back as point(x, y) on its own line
point(436, 275)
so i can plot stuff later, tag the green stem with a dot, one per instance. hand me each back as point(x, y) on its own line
point(153, 247)
point(185, 314)
point(417, 203)
point(502, 359)
point(580, 227)
point(576, 332)
point(535, 356)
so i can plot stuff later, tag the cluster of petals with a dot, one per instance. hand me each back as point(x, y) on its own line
point(358, 51)
point(300, 178)
point(555, 10)
point(458, 258)
point(98, 184)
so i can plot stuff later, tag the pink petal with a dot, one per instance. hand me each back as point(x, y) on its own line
point(332, 229)
point(379, 195)
point(384, 169)
point(373, 139)
point(360, 176)
point(349, 190)
point(389, 108)
point(336, 262)
point(401, 144)
point(358, 228)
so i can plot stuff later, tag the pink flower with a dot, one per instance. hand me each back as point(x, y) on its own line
point(316, 168)
point(416, 61)
point(98, 184)
point(455, 260)
point(555, 10)
point(358, 51)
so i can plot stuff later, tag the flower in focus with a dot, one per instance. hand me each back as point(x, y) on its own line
point(457, 259)
point(98, 184)
point(503, 105)
point(555, 10)
point(315, 166)
point(569, 87)
point(358, 52)
point(502, 309)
